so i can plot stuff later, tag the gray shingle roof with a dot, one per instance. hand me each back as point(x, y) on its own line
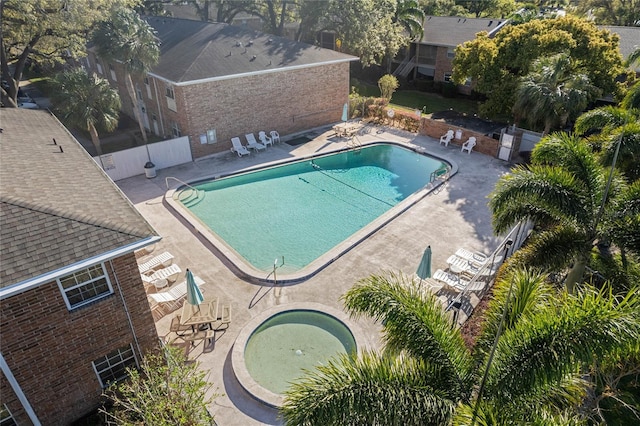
point(629, 39)
point(452, 30)
point(195, 50)
point(56, 208)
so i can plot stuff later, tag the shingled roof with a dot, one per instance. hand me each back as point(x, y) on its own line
point(57, 207)
point(191, 51)
point(451, 31)
point(629, 40)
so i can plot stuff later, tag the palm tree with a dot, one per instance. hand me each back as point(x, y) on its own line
point(565, 192)
point(607, 127)
point(552, 92)
point(128, 39)
point(87, 102)
point(411, 17)
point(427, 376)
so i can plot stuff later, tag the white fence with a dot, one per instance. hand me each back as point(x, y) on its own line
point(124, 164)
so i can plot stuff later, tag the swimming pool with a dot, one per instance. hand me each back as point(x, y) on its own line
point(304, 209)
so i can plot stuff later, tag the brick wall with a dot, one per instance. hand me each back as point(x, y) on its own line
point(434, 128)
point(50, 349)
point(288, 101)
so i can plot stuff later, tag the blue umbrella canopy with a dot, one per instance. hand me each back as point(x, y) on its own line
point(194, 295)
point(424, 269)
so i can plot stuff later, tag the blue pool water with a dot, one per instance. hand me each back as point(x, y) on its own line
point(303, 209)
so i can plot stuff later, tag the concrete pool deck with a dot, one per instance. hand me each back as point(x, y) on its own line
point(456, 215)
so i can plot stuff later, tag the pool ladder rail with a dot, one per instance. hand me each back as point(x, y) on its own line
point(440, 173)
point(188, 196)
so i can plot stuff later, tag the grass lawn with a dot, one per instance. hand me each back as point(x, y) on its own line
point(412, 99)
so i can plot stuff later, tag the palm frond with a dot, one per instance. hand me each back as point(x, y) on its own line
point(545, 348)
point(542, 194)
point(368, 391)
point(413, 321)
point(529, 293)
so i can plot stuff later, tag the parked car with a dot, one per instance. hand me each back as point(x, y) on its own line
point(28, 105)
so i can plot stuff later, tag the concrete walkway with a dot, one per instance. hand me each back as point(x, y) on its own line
point(455, 216)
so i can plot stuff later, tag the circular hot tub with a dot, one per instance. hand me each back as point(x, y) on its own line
point(275, 347)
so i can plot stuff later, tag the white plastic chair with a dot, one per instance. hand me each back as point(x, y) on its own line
point(266, 140)
point(468, 145)
point(253, 143)
point(169, 273)
point(238, 148)
point(172, 297)
point(275, 136)
point(446, 138)
point(165, 259)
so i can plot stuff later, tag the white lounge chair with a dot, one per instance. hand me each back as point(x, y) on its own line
point(477, 259)
point(165, 259)
point(468, 145)
point(172, 297)
point(253, 143)
point(264, 139)
point(446, 138)
point(275, 136)
point(238, 148)
point(169, 273)
point(450, 280)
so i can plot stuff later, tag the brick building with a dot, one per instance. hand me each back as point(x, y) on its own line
point(431, 58)
point(216, 81)
point(73, 309)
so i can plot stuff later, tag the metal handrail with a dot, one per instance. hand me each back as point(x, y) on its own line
point(166, 182)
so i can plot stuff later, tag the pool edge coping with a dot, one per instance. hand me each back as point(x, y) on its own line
point(239, 266)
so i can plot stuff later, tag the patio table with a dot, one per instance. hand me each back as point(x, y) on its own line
point(198, 315)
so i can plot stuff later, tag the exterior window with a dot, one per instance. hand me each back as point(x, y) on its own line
point(175, 129)
point(447, 76)
point(6, 419)
point(85, 286)
point(451, 53)
point(171, 99)
point(113, 366)
point(113, 73)
point(99, 67)
point(139, 93)
point(148, 86)
point(211, 136)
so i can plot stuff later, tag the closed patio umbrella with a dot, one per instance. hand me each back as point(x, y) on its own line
point(345, 112)
point(424, 269)
point(194, 295)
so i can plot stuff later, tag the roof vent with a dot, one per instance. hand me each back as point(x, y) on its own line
point(490, 22)
point(253, 58)
point(250, 42)
point(239, 44)
point(269, 40)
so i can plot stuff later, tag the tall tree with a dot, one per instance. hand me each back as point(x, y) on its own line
point(553, 92)
point(128, 39)
point(45, 32)
point(565, 192)
point(367, 30)
point(426, 375)
point(607, 127)
point(442, 8)
point(496, 64)
point(87, 102)
point(612, 12)
point(411, 17)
